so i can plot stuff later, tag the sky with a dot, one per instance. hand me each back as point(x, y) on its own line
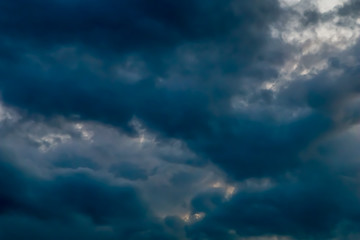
point(179, 120)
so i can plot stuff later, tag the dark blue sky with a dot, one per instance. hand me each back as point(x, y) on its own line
point(179, 120)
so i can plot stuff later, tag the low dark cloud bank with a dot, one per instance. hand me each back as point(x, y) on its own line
point(211, 88)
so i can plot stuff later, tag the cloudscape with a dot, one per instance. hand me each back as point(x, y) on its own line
point(179, 120)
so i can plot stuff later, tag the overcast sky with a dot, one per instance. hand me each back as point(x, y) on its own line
point(179, 120)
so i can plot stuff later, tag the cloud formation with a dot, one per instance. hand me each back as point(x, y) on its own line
point(185, 120)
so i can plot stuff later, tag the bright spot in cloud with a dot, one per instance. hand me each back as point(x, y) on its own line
point(192, 218)
point(85, 134)
point(50, 141)
point(229, 189)
point(328, 5)
point(313, 44)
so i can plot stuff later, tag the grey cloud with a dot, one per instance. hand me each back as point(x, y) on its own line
point(172, 99)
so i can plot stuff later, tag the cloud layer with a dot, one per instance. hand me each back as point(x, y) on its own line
point(185, 120)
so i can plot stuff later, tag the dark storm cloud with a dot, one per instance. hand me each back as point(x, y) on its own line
point(320, 200)
point(228, 46)
point(177, 66)
point(233, 59)
point(77, 202)
point(127, 26)
point(186, 108)
point(243, 146)
point(312, 206)
point(116, 25)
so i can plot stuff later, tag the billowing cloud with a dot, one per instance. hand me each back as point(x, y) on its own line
point(185, 120)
